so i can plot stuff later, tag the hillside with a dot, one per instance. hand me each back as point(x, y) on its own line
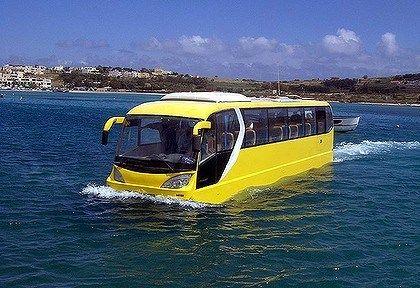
point(394, 89)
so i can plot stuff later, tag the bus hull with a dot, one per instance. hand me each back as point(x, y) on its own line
point(255, 167)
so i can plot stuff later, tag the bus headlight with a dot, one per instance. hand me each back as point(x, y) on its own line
point(178, 181)
point(117, 176)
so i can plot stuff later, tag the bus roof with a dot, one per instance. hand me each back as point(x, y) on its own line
point(201, 105)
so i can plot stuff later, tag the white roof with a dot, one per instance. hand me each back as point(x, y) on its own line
point(207, 97)
point(278, 99)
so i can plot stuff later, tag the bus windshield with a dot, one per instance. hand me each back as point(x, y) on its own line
point(157, 144)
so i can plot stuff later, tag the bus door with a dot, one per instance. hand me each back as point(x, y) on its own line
point(217, 146)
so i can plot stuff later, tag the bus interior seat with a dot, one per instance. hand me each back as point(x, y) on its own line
point(321, 127)
point(276, 133)
point(227, 140)
point(293, 131)
point(211, 146)
point(250, 137)
point(308, 129)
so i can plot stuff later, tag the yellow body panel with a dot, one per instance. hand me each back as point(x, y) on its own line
point(134, 182)
point(267, 164)
point(256, 166)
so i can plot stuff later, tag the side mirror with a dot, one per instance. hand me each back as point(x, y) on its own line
point(196, 134)
point(108, 125)
point(105, 137)
point(201, 125)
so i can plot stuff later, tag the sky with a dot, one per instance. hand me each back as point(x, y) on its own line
point(236, 39)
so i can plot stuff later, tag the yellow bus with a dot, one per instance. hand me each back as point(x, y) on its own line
point(210, 146)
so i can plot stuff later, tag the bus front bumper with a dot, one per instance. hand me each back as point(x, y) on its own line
point(154, 191)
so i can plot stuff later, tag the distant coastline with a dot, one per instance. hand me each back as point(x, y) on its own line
point(81, 92)
point(161, 94)
point(386, 104)
point(114, 92)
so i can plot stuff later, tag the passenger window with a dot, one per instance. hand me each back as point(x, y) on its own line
point(310, 123)
point(277, 123)
point(256, 127)
point(320, 119)
point(208, 145)
point(295, 122)
point(329, 119)
point(227, 130)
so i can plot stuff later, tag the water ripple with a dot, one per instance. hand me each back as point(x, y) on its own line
point(349, 151)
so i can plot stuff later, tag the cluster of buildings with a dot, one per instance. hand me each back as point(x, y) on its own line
point(114, 72)
point(24, 77)
point(39, 77)
point(144, 73)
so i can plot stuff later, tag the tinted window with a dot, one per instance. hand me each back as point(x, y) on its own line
point(149, 135)
point(208, 145)
point(329, 118)
point(295, 122)
point(320, 119)
point(310, 122)
point(156, 144)
point(277, 124)
point(227, 130)
point(256, 127)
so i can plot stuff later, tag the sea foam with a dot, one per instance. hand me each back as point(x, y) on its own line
point(106, 192)
point(348, 151)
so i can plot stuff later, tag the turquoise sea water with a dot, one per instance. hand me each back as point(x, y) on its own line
point(352, 224)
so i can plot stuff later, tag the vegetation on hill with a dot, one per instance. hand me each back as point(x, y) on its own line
point(394, 89)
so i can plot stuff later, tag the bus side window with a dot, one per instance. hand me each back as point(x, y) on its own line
point(320, 119)
point(329, 119)
point(310, 123)
point(277, 124)
point(208, 144)
point(227, 130)
point(295, 122)
point(256, 130)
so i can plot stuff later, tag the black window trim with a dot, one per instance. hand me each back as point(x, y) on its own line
point(303, 119)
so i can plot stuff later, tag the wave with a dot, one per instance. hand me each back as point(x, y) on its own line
point(348, 151)
point(106, 192)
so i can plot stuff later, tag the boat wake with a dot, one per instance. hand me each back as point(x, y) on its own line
point(106, 192)
point(349, 151)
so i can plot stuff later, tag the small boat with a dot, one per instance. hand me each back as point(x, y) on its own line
point(345, 123)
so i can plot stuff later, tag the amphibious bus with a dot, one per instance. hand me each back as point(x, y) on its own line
point(209, 146)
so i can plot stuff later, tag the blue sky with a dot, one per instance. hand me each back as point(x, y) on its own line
point(251, 39)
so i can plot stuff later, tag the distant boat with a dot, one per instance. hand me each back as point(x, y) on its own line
point(345, 123)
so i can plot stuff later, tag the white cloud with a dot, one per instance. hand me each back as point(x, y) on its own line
point(389, 44)
point(257, 44)
point(345, 42)
point(154, 44)
point(256, 57)
point(83, 43)
point(199, 45)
